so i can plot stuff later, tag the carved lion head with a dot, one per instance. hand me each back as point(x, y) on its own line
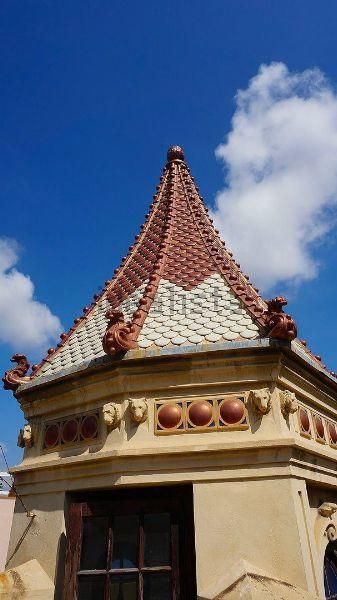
point(25, 438)
point(260, 400)
point(138, 410)
point(112, 414)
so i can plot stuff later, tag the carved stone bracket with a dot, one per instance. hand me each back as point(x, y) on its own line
point(327, 509)
point(25, 438)
point(112, 415)
point(117, 337)
point(260, 401)
point(138, 410)
point(288, 402)
point(14, 377)
point(280, 325)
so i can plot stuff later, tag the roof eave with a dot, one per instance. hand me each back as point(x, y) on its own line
point(290, 349)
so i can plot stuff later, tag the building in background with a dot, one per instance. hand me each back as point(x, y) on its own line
point(7, 502)
point(181, 440)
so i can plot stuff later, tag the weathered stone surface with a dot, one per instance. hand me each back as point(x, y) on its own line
point(26, 582)
point(247, 582)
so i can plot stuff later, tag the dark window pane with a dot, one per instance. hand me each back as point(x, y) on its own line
point(157, 586)
point(94, 543)
point(157, 540)
point(91, 587)
point(124, 587)
point(125, 542)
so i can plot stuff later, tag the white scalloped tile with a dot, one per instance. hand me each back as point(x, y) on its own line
point(208, 313)
point(195, 339)
point(230, 336)
point(213, 337)
point(162, 342)
point(248, 334)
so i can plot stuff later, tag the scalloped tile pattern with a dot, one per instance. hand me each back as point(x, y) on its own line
point(209, 312)
point(85, 342)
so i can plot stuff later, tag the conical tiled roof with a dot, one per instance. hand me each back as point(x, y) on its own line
point(178, 285)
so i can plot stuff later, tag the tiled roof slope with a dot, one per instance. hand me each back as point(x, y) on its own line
point(178, 285)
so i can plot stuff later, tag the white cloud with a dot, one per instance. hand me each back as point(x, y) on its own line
point(25, 323)
point(281, 174)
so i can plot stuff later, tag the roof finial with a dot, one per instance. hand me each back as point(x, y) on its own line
point(175, 153)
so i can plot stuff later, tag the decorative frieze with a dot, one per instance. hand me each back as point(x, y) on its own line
point(314, 426)
point(188, 416)
point(73, 430)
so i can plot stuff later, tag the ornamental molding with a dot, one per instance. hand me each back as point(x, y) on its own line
point(260, 401)
point(117, 337)
point(288, 402)
point(139, 411)
point(280, 325)
point(112, 415)
point(14, 377)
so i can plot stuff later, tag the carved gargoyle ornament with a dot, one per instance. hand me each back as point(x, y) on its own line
point(14, 377)
point(25, 438)
point(280, 326)
point(118, 335)
point(260, 401)
point(138, 410)
point(112, 415)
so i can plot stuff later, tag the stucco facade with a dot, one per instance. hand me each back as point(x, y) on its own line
point(258, 481)
point(6, 515)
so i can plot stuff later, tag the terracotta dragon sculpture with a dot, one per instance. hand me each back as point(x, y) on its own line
point(14, 377)
point(280, 326)
point(117, 337)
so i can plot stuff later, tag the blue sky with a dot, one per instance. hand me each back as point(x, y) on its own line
point(92, 95)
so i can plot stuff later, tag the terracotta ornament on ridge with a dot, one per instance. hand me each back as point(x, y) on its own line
point(280, 325)
point(117, 337)
point(14, 377)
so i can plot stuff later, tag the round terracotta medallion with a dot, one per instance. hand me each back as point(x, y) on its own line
point(69, 431)
point(232, 411)
point(89, 427)
point(51, 436)
point(200, 413)
point(319, 427)
point(333, 433)
point(304, 419)
point(169, 416)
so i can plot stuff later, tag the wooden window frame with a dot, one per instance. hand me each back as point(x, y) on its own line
point(176, 500)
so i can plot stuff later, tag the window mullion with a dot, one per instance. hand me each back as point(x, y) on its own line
point(140, 556)
point(175, 558)
point(109, 560)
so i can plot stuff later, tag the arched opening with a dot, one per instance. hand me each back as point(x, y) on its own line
point(330, 571)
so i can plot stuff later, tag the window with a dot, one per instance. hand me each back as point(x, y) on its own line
point(132, 545)
point(330, 571)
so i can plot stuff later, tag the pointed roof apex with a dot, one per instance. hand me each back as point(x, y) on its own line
point(175, 153)
point(177, 286)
